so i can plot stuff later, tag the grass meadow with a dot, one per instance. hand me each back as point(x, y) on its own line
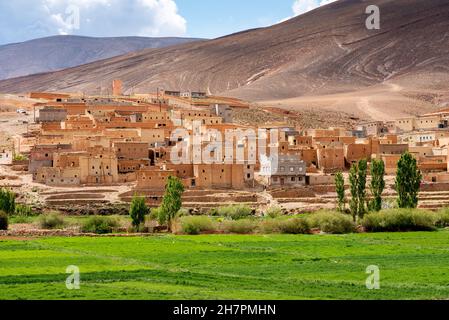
point(412, 266)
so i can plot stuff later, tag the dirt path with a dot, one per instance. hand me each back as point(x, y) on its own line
point(364, 106)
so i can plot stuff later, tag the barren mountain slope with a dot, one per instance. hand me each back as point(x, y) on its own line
point(61, 52)
point(326, 51)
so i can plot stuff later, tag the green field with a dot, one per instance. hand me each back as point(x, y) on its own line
point(413, 266)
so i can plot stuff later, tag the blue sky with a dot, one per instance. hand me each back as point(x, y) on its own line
point(22, 20)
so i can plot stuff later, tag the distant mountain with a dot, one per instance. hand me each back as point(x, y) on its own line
point(327, 51)
point(61, 52)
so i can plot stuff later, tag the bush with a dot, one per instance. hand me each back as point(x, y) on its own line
point(235, 212)
point(196, 224)
point(138, 210)
point(51, 221)
point(22, 210)
point(99, 225)
point(7, 201)
point(155, 213)
point(20, 157)
point(295, 226)
point(183, 212)
point(442, 218)
point(270, 226)
point(243, 226)
point(274, 212)
point(3, 221)
point(400, 220)
point(332, 222)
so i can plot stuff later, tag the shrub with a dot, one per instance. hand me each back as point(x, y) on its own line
point(51, 221)
point(99, 225)
point(400, 220)
point(23, 210)
point(332, 222)
point(270, 226)
point(295, 226)
point(183, 212)
point(235, 212)
point(274, 212)
point(7, 201)
point(138, 210)
point(243, 226)
point(20, 157)
point(442, 218)
point(196, 224)
point(155, 214)
point(3, 221)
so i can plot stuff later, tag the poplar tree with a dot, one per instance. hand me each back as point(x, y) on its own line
point(377, 185)
point(353, 180)
point(172, 201)
point(361, 187)
point(340, 188)
point(408, 181)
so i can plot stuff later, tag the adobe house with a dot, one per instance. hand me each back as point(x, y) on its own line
point(42, 155)
point(300, 141)
point(391, 162)
point(331, 132)
point(355, 152)
point(219, 176)
point(172, 93)
point(51, 114)
point(331, 158)
point(397, 149)
point(155, 137)
point(285, 170)
point(375, 128)
point(153, 178)
point(131, 150)
point(222, 110)
point(126, 166)
point(95, 166)
point(433, 164)
point(198, 95)
point(48, 96)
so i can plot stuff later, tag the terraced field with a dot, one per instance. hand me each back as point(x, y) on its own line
point(412, 266)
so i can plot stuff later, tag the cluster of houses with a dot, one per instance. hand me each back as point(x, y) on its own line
point(121, 139)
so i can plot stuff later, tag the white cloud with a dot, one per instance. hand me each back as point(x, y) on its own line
point(23, 19)
point(303, 6)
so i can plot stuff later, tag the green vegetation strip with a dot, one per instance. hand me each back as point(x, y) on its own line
point(412, 266)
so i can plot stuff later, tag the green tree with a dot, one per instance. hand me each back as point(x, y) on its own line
point(353, 180)
point(377, 185)
point(172, 201)
point(361, 187)
point(357, 179)
point(7, 201)
point(408, 181)
point(138, 210)
point(340, 188)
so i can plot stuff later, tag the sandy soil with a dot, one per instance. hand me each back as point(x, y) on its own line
point(384, 102)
